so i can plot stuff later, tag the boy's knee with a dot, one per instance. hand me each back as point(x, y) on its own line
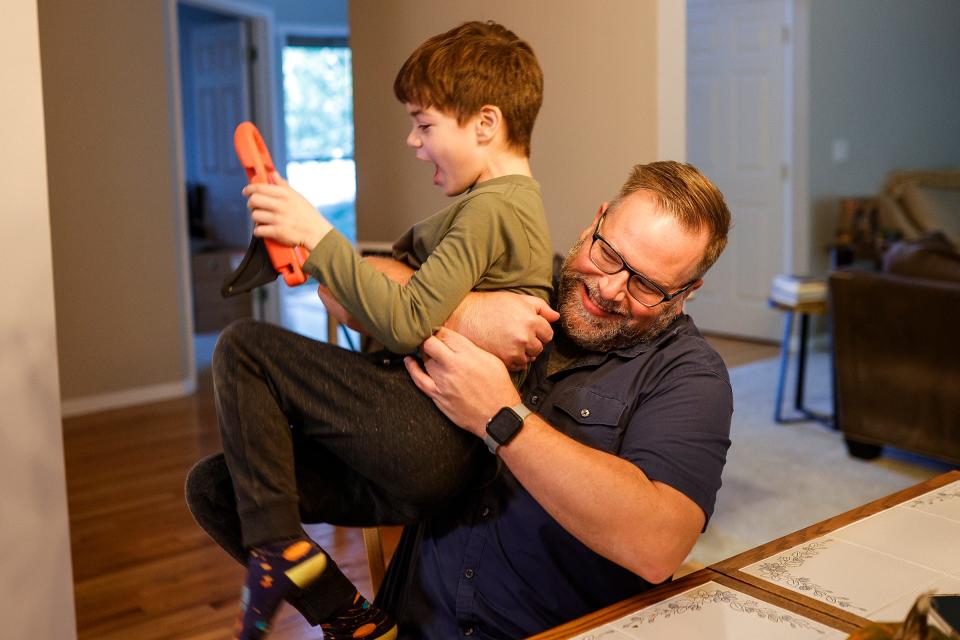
point(231, 342)
point(205, 485)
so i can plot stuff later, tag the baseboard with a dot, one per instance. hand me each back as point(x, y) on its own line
point(126, 398)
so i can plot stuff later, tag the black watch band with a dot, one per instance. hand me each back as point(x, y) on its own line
point(505, 425)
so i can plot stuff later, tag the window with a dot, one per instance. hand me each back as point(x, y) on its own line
point(318, 117)
point(318, 114)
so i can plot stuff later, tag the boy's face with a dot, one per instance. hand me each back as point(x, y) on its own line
point(453, 149)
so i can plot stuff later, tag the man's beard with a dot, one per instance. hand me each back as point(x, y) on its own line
point(603, 334)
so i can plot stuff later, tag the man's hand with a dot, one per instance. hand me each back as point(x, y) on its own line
point(466, 383)
point(513, 327)
point(282, 214)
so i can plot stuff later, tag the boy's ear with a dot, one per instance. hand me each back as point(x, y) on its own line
point(489, 122)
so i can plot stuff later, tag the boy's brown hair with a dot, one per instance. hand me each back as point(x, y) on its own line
point(475, 64)
point(687, 194)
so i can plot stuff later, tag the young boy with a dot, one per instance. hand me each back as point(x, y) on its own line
point(472, 94)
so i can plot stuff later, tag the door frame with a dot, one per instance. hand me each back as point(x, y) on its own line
point(262, 90)
point(798, 252)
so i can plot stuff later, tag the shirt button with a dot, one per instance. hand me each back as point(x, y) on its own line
point(534, 399)
point(468, 631)
point(468, 574)
point(584, 412)
point(485, 512)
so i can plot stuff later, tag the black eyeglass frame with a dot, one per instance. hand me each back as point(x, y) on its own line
point(667, 297)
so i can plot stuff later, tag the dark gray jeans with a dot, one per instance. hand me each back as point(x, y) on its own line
point(314, 433)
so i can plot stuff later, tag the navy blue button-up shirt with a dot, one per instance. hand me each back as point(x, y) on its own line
point(500, 566)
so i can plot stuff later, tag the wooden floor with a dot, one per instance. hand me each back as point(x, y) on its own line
point(142, 569)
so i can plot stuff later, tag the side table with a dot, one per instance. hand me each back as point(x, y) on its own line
point(804, 310)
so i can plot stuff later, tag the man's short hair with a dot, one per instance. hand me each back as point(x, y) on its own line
point(475, 64)
point(687, 194)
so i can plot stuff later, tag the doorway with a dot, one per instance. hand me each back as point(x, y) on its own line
point(740, 134)
point(234, 65)
point(219, 80)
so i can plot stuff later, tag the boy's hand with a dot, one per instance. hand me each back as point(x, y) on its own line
point(282, 214)
point(511, 326)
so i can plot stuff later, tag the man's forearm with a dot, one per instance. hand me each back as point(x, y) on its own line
point(395, 270)
point(399, 272)
point(512, 326)
point(605, 501)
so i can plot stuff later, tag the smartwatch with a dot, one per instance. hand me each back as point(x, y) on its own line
point(505, 425)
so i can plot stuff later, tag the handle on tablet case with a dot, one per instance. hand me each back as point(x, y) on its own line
point(255, 157)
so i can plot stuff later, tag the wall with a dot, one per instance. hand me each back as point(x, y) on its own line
point(883, 76)
point(599, 115)
point(115, 195)
point(36, 585)
point(310, 13)
point(121, 321)
point(114, 189)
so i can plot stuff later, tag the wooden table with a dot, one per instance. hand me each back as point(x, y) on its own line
point(728, 573)
point(731, 567)
point(617, 611)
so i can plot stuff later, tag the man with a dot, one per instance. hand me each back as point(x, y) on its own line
point(603, 491)
point(607, 485)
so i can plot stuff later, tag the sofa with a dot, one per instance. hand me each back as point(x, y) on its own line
point(896, 350)
point(915, 203)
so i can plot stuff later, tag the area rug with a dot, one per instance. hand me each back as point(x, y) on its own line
point(783, 477)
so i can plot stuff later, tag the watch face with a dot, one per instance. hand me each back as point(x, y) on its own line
point(504, 425)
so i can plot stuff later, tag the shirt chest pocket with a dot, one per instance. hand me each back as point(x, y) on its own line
point(595, 418)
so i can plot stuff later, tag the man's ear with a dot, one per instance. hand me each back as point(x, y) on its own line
point(689, 294)
point(489, 122)
point(602, 210)
point(586, 233)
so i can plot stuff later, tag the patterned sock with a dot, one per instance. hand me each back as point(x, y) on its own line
point(274, 571)
point(359, 620)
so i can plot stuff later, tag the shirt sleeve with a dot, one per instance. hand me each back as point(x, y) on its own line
point(680, 434)
point(402, 317)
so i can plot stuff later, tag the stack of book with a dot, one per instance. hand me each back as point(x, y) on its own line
point(793, 290)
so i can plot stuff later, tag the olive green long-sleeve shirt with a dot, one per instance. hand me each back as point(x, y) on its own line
point(494, 237)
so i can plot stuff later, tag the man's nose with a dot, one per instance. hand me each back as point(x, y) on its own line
point(613, 287)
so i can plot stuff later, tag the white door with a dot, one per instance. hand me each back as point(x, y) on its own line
point(221, 95)
point(737, 135)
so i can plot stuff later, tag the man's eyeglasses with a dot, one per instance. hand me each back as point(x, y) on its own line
point(609, 260)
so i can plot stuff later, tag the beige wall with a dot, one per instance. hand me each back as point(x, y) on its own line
point(598, 119)
point(123, 328)
point(113, 198)
point(36, 586)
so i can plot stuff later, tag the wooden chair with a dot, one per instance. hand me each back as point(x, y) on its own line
point(374, 546)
